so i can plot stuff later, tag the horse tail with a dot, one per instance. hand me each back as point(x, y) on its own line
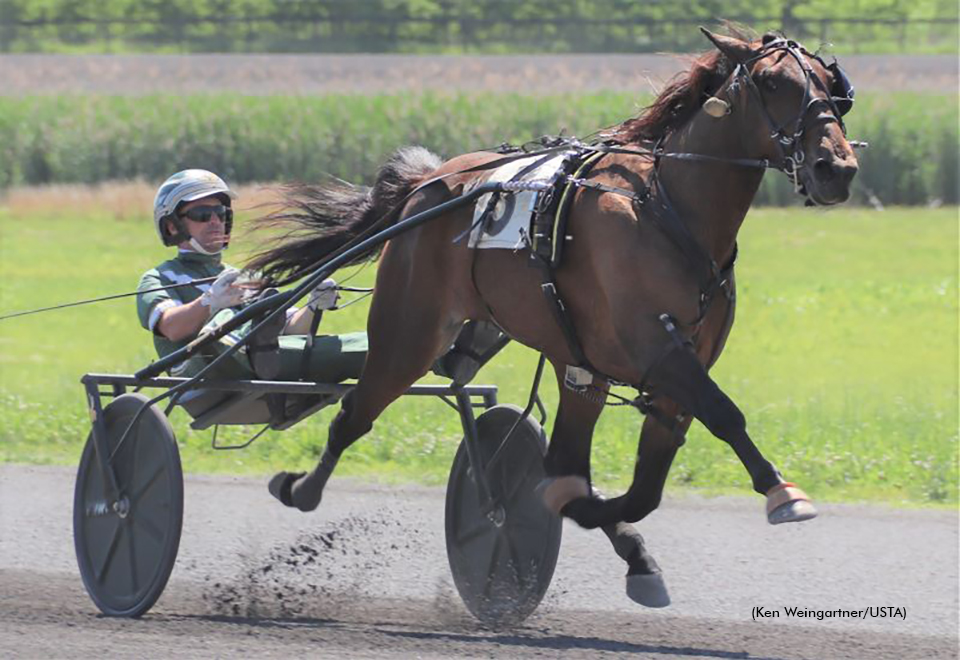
point(317, 220)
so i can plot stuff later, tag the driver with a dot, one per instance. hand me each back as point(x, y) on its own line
point(193, 211)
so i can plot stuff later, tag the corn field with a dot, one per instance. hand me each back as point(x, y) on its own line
point(912, 158)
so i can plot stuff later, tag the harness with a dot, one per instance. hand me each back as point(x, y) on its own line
point(550, 219)
point(546, 250)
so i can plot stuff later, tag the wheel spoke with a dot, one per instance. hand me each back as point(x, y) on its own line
point(522, 518)
point(108, 558)
point(520, 479)
point(133, 561)
point(155, 533)
point(135, 497)
point(516, 488)
point(492, 566)
point(514, 562)
point(480, 528)
point(136, 455)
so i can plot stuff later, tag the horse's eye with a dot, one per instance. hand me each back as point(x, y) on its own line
point(770, 85)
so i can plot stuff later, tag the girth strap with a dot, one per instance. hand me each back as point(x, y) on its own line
point(549, 288)
point(543, 255)
point(666, 218)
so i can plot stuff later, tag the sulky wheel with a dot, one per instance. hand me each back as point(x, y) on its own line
point(502, 563)
point(126, 546)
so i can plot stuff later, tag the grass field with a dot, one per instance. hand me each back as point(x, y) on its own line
point(844, 357)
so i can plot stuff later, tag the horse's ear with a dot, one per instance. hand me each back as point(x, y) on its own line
point(738, 51)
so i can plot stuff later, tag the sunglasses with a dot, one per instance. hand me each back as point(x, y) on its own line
point(205, 213)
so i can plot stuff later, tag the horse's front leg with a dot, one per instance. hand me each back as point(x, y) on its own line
point(681, 383)
point(568, 470)
point(683, 378)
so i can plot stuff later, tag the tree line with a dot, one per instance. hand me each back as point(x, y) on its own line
point(457, 26)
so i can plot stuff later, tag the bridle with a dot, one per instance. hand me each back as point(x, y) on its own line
point(788, 136)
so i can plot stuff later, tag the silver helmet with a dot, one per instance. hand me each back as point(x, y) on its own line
point(182, 187)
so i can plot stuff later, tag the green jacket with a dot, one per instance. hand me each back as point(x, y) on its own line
point(333, 359)
point(187, 266)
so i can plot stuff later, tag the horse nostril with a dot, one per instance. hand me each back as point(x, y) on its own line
point(823, 170)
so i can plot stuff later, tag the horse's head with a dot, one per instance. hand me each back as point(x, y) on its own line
point(796, 103)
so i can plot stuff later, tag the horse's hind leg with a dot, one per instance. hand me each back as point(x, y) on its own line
point(401, 351)
point(410, 324)
point(568, 469)
point(655, 453)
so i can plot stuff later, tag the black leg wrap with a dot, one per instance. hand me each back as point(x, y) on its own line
point(307, 492)
point(592, 512)
point(682, 378)
point(476, 344)
point(628, 544)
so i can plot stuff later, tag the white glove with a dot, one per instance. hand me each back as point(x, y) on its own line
point(224, 292)
point(325, 296)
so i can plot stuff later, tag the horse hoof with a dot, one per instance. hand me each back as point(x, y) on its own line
point(557, 492)
point(796, 511)
point(649, 590)
point(281, 485)
point(788, 503)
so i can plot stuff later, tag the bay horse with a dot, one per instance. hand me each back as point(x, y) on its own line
point(646, 282)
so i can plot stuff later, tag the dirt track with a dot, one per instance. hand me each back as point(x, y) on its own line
point(379, 585)
point(366, 74)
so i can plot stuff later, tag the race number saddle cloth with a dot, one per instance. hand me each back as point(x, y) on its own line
point(530, 219)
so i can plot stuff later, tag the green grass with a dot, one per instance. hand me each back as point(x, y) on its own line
point(844, 359)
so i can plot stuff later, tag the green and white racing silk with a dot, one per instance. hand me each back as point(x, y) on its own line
point(333, 358)
point(185, 268)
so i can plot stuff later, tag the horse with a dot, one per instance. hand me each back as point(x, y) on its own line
point(647, 281)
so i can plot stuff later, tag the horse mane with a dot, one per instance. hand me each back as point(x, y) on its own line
point(677, 103)
point(683, 95)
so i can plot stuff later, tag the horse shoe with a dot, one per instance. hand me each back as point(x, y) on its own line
point(786, 502)
point(648, 590)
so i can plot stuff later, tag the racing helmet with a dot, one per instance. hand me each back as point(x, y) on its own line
point(187, 186)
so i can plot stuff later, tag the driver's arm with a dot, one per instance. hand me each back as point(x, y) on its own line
point(299, 323)
point(175, 320)
point(182, 321)
point(324, 296)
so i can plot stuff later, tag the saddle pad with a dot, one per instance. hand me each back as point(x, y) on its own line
point(510, 219)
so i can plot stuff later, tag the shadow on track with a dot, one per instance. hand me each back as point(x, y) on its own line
point(568, 642)
point(481, 637)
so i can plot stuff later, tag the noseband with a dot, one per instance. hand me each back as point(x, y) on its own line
point(789, 143)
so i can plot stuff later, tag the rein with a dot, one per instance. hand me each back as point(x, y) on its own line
point(203, 280)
